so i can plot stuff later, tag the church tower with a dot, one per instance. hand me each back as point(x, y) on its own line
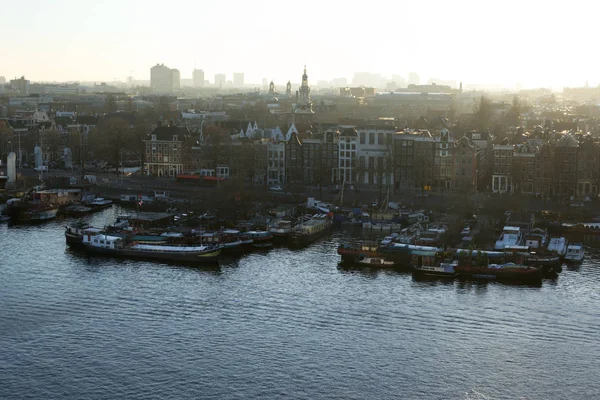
point(271, 88)
point(303, 104)
point(288, 90)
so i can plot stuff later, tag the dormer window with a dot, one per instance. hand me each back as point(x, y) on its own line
point(175, 138)
point(153, 137)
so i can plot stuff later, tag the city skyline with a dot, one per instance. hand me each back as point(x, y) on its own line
point(117, 40)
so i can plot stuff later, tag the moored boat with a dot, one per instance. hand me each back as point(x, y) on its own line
point(506, 271)
point(260, 239)
point(32, 212)
point(99, 203)
point(558, 245)
point(511, 236)
point(281, 230)
point(575, 253)
point(98, 243)
point(74, 233)
point(76, 210)
point(376, 262)
point(309, 231)
point(431, 264)
point(351, 253)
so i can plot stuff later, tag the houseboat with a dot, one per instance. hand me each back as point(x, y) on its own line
point(575, 253)
point(99, 243)
point(99, 203)
point(376, 262)
point(558, 245)
point(352, 253)
point(260, 239)
point(430, 264)
point(510, 236)
point(281, 230)
point(32, 212)
point(536, 239)
point(74, 233)
point(76, 210)
point(309, 231)
point(506, 271)
point(231, 241)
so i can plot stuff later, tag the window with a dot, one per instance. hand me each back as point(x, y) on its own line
point(380, 138)
point(353, 146)
point(371, 138)
point(362, 138)
point(342, 146)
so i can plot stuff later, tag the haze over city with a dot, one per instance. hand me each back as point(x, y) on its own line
point(513, 44)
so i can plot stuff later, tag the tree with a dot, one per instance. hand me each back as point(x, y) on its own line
point(110, 139)
point(514, 114)
point(483, 113)
point(111, 104)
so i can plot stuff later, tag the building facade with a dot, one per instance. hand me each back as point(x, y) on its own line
point(164, 151)
point(502, 168)
point(161, 79)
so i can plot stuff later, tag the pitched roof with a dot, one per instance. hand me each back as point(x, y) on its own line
point(167, 133)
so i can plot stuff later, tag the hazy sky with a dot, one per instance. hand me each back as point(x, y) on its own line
point(536, 43)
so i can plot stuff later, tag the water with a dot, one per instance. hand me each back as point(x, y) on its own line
point(282, 324)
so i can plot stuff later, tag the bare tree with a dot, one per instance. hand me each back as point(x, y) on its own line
point(111, 104)
point(483, 113)
point(514, 114)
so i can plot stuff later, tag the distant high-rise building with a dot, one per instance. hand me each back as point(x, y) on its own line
point(220, 80)
point(265, 83)
point(198, 76)
point(369, 79)
point(175, 79)
point(161, 79)
point(2, 80)
point(399, 80)
point(414, 79)
point(21, 85)
point(238, 79)
point(339, 82)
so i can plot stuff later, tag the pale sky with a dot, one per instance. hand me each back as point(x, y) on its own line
point(536, 43)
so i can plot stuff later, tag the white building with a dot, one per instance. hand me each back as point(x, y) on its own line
point(348, 147)
point(198, 78)
point(374, 152)
point(175, 79)
point(238, 79)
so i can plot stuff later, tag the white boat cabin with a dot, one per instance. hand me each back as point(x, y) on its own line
point(511, 236)
point(575, 252)
point(92, 238)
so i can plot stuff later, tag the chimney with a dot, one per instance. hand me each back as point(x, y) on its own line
point(159, 123)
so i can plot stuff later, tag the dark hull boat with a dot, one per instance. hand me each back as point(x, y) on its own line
point(311, 230)
point(116, 246)
point(507, 272)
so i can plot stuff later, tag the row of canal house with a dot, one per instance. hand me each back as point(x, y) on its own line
point(566, 165)
point(370, 155)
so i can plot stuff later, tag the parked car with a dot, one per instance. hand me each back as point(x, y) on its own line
point(276, 188)
point(42, 168)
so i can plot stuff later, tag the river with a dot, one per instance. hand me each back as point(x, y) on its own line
point(283, 324)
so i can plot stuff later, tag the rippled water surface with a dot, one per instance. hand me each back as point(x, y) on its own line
point(283, 324)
